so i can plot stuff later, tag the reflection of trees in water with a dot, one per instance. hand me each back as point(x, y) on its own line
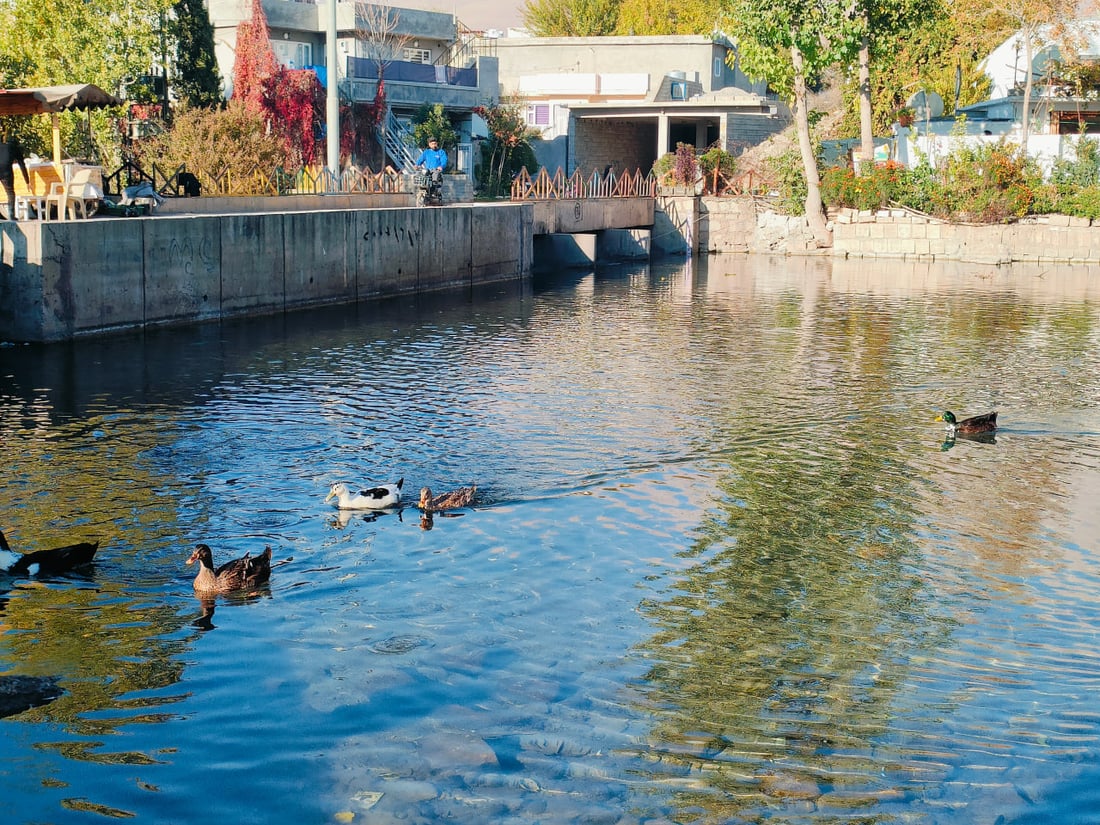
point(780, 654)
point(781, 648)
point(103, 645)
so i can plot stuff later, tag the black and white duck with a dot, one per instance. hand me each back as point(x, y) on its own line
point(239, 574)
point(52, 562)
point(379, 497)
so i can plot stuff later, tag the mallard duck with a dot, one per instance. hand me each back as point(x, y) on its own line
point(233, 575)
point(372, 498)
point(51, 562)
point(445, 501)
point(977, 424)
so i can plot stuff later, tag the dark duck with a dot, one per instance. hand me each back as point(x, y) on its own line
point(53, 562)
point(239, 574)
point(970, 426)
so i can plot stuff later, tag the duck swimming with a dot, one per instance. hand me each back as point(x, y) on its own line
point(51, 562)
point(233, 575)
point(372, 498)
point(445, 501)
point(976, 424)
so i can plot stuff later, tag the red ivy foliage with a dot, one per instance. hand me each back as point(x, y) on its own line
point(359, 124)
point(294, 103)
point(255, 61)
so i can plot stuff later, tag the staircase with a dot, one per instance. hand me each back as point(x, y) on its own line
point(397, 139)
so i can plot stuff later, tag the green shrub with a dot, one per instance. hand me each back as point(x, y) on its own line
point(1083, 203)
point(876, 187)
point(1070, 176)
point(787, 180)
point(231, 144)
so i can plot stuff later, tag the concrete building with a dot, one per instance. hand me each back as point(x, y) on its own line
point(425, 59)
point(625, 101)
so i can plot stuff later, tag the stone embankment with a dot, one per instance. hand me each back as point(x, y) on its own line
point(739, 225)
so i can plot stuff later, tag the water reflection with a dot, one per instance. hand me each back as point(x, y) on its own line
point(727, 571)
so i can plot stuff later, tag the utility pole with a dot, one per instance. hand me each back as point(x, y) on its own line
point(332, 97)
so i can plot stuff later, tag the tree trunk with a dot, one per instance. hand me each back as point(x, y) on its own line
point(866, 129)
point(1028, 57)
point(815, 213)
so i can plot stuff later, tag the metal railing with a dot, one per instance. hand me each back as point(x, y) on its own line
point(579, 186)
point(310, 180)
point(397, 139)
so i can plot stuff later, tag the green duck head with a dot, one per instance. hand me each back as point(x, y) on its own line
point(947, 416)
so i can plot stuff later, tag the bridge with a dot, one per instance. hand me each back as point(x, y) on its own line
point(579, 219)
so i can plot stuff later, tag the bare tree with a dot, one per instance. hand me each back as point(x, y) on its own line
point(376, 28)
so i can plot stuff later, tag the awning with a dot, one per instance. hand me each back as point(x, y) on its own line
point(49, 99)
point(53, 99)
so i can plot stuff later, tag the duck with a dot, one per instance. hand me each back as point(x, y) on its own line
point(51, 562)
point(233, 575)
point(976, 424)
point(380, 497)
point(445, 501)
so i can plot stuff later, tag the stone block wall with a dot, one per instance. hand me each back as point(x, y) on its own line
point(741, 225)
point(900, 234)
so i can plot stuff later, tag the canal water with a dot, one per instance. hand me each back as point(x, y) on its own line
point(724, 566)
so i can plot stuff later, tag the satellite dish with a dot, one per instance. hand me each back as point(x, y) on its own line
point(925, 105)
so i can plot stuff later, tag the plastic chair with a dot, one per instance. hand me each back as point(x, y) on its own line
point(75, 195)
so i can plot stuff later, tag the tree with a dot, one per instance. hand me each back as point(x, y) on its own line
point(197, 80)
point(1035, 21)
point(881, 23)
point(790, 43)
point(655, 17)
point(51, 42)
point(508, 147)
point(376, 27)
point(255, 59)
point(571, 18)
point(294, 102)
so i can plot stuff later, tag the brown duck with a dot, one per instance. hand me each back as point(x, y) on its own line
point(976, 424)
point(238, 574)
point(445, 501)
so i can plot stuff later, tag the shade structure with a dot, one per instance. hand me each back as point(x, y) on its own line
point(53, 99)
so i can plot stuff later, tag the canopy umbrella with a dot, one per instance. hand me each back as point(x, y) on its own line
point(53, 99)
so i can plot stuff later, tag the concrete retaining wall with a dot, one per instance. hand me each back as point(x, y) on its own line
point(61, 279)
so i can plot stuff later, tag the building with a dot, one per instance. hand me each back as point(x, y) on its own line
point(424, 57)
point(625, 101)
point(1059, 111)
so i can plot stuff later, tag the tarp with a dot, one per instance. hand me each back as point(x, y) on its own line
point(48, 99)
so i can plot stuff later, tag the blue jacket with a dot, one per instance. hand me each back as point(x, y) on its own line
point(432, 159)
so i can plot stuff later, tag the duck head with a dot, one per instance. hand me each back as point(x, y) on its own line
point(948, 417)
point(203, 555)
point(338, 489)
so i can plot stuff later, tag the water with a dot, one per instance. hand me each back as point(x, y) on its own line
point(724, 566)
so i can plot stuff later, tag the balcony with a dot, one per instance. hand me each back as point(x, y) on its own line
point(410, 85)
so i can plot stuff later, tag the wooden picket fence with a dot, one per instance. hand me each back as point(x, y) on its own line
point(578, 186)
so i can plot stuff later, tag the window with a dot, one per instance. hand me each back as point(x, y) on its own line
point(305, 54)
point(718, 66)
point(538, 114)
point(417, 55)
point(678, 90)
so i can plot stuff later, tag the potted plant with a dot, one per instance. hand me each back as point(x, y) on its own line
point(905, 116)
